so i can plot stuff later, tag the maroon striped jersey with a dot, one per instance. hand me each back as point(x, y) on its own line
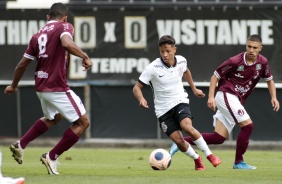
point(237, 77)
point(52, 59)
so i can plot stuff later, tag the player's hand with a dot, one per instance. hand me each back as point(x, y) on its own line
point(199, 93)
point(87, 63)
point(9, 90)
point(275, 104)
point(212, 103)
point(143, 103)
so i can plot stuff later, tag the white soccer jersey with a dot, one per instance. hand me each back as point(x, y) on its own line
point(166, 83)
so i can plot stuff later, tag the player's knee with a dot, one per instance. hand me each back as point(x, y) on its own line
point(219, 139)
point(191, 131)
point(86, 124)
point(83, 122)
point(248, 128)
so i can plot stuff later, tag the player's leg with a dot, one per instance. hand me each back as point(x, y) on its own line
point(217, 137)
point(242, 144)
point(173, 130)
point(187, 149)
point(186, 125)
point(73, 110)
point(37, 129)
point(235, 113)
point(70, 137)
point(183, 115)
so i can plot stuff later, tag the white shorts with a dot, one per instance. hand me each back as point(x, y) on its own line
point(68, 104)
point(230, 110)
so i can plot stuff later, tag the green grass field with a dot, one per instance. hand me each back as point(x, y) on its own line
point(127, 166)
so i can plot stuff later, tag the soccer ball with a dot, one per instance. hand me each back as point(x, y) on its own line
point(159, 159)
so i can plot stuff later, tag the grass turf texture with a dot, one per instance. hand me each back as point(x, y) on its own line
point(91, 165)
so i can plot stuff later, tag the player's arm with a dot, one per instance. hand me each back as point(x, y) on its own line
point(137, 91)
point(272, 92)
point(188, 77)
point(73, 49)
point(18, 73)
point(211, 100)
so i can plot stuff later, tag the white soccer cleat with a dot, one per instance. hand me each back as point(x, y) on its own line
point(50, 164)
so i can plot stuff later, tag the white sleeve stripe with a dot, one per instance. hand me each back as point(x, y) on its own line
point(65, 33)
point(217, 75)
point(269, 78)
point(29, 56)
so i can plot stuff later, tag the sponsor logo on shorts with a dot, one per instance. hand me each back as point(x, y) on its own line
point(164, 127)
point(241, 112)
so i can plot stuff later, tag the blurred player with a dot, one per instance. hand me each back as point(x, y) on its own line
point(164, 75)
point(51, 46)
point(236, 79)
point(9, 180)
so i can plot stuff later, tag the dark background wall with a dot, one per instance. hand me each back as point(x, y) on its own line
point(115, 113)
point(113, 110)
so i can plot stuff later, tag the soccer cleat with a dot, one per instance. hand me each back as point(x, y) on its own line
point(214, 160)
point(243, 165)
point(8, 180)
point(50, 164)
point(199, 165)
point(17, 151)
point(173, 149)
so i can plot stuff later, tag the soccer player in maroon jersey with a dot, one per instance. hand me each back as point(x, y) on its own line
point(236, 79)
point(51, 47)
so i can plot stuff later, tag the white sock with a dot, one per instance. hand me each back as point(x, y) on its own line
point(202, 145)
point(191, 153)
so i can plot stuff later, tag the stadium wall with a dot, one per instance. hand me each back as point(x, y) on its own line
point(121, 42)
point(115, 114)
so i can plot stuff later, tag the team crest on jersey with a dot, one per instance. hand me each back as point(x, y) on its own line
point(164, 126)
point(180, 70)
point(240, 68)
point(241, 112)
point(258, 67)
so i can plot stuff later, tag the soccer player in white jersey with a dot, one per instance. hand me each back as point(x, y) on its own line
point(236, 79)
point(51, 47)
point(164, 75)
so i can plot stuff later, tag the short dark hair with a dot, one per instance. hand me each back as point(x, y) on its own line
point(255, 38)
point(166, 39)
point(58, 11)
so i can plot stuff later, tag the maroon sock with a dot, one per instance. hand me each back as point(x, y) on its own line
point(210, 138)
point(243, 142)
point(38, 128)
point(68, 140)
